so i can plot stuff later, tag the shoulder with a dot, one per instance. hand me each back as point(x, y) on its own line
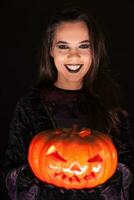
point(30, 95)
point(31, 102)
point(33, 95)
point(30, 111)
point(28, 102)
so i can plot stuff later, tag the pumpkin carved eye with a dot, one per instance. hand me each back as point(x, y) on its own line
point(96, 158)
point(53, 153)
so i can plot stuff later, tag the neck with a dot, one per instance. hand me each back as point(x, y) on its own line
point(68, 85)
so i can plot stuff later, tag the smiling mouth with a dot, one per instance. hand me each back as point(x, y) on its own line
point(73, 68)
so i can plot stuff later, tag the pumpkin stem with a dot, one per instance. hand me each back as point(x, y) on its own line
point(75, 128)
point(58, 131)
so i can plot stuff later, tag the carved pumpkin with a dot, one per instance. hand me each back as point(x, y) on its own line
point(72, 159)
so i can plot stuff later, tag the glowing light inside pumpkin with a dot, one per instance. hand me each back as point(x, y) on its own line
point(53, 152)
point(50, 150)
point(79, 169)
point(97, 168)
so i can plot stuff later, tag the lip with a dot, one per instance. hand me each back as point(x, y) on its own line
point(73, 70)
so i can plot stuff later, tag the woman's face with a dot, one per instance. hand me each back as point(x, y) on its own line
point(72, 54)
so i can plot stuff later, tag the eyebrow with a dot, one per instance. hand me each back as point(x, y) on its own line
point(64, 42)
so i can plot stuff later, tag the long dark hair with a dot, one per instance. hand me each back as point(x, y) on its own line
point(97, 81)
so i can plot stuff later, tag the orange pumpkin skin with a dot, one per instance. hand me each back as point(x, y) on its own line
point(73, 159)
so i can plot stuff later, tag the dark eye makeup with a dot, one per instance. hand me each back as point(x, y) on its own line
point(85, 46)
point(62, 46)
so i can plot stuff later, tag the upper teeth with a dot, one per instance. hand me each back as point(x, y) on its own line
point(73, 67)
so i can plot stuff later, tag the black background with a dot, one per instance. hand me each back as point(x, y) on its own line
point(21, 27)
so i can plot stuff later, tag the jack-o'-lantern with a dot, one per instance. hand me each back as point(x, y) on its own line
point(72, 159)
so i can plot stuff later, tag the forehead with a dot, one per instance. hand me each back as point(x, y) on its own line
point(76, 31)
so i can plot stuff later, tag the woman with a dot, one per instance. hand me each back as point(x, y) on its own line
point(73, 88)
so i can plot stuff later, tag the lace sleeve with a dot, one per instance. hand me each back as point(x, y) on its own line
point(125, 146)
point(20, 182)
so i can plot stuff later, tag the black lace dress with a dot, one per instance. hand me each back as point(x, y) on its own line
point(42, 109)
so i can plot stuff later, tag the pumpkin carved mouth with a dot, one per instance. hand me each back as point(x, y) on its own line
point(75, 171)
point(73, 178)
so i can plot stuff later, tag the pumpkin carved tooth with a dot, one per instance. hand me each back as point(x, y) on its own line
point(96, 168)
point(73, 158)
point(75, 178)
point(75, 168)
point(63, 176)
point(90, 176)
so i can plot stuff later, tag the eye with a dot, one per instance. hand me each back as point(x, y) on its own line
point(62, 46)
point(53, 153)
point(96, 158)
point(85, 46)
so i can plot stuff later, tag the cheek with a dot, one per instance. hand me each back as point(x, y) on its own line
point(88, 59)
point(87, 65)
point(58, 60)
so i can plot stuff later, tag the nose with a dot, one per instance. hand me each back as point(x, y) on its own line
point(73, 53)
point(75, 167)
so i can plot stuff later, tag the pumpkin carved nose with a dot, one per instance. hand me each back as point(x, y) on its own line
point(75, 167)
